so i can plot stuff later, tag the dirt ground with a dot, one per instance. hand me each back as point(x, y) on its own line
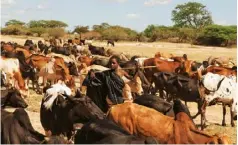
point(199, 53)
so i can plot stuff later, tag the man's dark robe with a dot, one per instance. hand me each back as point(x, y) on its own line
point(106, 83)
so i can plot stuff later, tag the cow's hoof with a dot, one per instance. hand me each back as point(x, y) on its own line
point(223, 124)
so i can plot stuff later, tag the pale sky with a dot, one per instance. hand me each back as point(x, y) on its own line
point(135, 14)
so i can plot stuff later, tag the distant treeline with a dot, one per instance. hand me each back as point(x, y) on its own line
point(192, 24)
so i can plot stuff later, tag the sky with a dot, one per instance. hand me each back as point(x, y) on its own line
point(135, 14)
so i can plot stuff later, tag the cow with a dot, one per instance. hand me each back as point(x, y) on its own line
point(221, 89)
point(179, 58)
point(73, 70)
point(110, 42)
point(185, 88)
point(96, 50)
point(220, 61)
point(12, 97)
point(106, 132)
point(60, 110)
point(16, 128)
point(11, 67)
point(146, 122)
point(159, 64)
point(221, 70)
point(121, 55)
point(28, 72)
point(155, 102)
point(43, 48)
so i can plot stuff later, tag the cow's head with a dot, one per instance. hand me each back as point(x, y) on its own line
point(84, 109)
point(72, 69)
point(15, 99)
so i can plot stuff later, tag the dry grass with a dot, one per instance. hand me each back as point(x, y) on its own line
point(199, 53)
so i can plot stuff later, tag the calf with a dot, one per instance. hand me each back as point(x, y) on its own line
point(106, 132)
point(145, 122)
point(12, 97)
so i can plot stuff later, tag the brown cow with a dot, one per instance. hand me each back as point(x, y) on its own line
point(179, 58)
point(161, 65)
point(163, 54)
point(146, 122)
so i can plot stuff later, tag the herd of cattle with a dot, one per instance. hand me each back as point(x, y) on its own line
point(152, 112)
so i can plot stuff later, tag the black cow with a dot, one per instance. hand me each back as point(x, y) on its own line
point(96, 50)
point(43, 48)
point(187, 89)
point(110, 42)
point(30, 44)
point(72, 68)
point(61, 50)
point(107, 132)
point(155, 102)
point(160, 80)
point(16, 128)
point(12, 97)
point(65, 112)
point(28, 71)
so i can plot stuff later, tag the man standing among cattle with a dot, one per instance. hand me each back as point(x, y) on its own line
point(107, 85)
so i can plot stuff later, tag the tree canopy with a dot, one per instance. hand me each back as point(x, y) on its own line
point(191, 14)
point(47, 24)
point(14, 22)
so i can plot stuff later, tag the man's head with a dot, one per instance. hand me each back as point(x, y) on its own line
point(114, 62)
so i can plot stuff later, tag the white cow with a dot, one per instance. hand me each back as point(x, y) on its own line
point(54, 91)
point(11, 67)
point(221, 89)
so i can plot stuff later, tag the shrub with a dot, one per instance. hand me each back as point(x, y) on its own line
point(38, 30)
point(217, 35)
point(56, 32)
point(15, 30)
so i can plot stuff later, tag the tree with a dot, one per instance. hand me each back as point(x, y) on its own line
point(47, 24)
point(218, 35)
point(100, 28)
point(55, 24)
point(14, 22)
point(81, 29)
point(191, 14)
point(149, 30)
point(34, 24)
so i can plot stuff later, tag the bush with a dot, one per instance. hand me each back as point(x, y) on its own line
point(217, 35)
point(91, 35)
point(38, 30)
point(15, 30)
point(56, 32)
